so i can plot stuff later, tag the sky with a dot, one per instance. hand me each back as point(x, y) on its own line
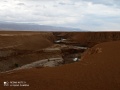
point(93, 15)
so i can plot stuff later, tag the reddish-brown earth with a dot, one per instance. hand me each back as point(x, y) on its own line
point(23, 47)
point(91, 38)
point(26, 40)
point(99, 69)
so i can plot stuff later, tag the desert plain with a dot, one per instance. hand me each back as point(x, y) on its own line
point(60, 60)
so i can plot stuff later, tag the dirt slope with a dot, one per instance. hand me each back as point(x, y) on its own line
point(23, 47)
point(91, 38)
point(98, 70)
point(25, 40)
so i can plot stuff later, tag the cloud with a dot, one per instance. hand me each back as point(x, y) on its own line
point(105, 2)
point(20, 4)
point(84, 14)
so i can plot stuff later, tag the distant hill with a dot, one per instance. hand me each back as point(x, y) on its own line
point(33, 27)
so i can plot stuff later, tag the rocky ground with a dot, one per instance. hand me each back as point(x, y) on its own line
point(59, 53)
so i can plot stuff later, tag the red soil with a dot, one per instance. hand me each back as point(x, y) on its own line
point(26, 40)
point(91, 38)
point(22, 48)
point(99, 69)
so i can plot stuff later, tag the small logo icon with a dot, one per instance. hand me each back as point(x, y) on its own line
point(6, 83)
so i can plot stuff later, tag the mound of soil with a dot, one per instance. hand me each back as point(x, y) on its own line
point(20, 48)
point(26, 41)
point(90, 39)
point(99, 69)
